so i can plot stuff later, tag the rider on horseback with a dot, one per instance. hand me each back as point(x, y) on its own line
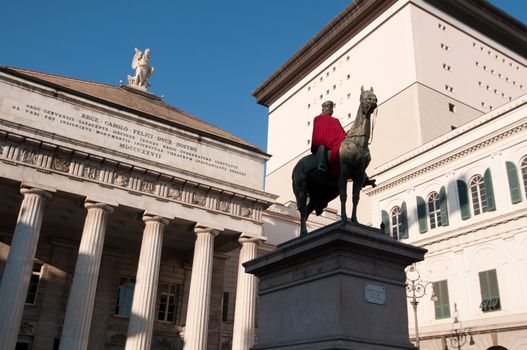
point(327, 136)
point(325, 142)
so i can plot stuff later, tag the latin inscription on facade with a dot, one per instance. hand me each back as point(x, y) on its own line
point(132, 138)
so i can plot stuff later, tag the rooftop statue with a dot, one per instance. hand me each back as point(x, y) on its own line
point(338, 156)
point(143, 70)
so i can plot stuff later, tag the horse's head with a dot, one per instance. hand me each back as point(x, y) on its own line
point(368, 101)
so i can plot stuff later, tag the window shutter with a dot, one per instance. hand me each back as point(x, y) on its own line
point(421, 215)
point(404, 222)
point(489, 191)
point(484, 285)
point(462, 192)
point(490, 294)
point(443, 206)
point(442, 304)
point(514, 183)
point(386, 221)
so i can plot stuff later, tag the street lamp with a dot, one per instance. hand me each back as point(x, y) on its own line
point(416, 289)
point(458, 335)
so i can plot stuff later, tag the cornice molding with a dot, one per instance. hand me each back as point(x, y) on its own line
point(45, 157)
point(449, 159)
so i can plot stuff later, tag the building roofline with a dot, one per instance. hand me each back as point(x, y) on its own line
point(31, 78)
point(479, 14)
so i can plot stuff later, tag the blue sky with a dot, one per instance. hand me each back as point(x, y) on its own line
point(208, 55)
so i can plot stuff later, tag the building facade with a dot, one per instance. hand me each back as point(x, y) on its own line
point(448, 151)
point(124, 221)
point(463, 197)
point(434, 66)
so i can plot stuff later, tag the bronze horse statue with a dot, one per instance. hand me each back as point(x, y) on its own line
point(322, 187)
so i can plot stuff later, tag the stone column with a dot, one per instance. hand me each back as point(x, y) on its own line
point(142, 316)
point(76, 329)
point(196, 328)
point(246, 290)
point(19, 265)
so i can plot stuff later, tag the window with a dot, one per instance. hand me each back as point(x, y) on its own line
point(225, 307)
point(434, 212)
point(125, 295)
point(34, 282)
point(481, 193)
point(478, 195)
point(441, 302)
point(168, 302)
point(490, 294)
point(396, 222)
point(452, 107)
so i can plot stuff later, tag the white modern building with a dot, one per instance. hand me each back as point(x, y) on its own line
point(448, 150)
point(123, 220)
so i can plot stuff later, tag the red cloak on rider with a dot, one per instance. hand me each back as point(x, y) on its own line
point(328, 132)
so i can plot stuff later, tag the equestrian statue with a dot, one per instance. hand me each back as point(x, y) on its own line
point(337, 157)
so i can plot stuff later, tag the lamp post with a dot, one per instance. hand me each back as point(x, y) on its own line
point(416, 289)
point(458, 335)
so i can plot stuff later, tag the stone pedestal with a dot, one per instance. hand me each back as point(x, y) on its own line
point(337, 288)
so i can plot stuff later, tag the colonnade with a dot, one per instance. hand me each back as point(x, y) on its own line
point(79, 310)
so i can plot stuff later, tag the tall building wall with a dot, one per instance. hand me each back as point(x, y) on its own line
point(462, 63)
point(431, 73)
point(382, 56)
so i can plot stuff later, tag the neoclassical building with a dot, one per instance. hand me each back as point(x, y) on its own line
point(124, 220)
point(463, 197)
point(448, 151)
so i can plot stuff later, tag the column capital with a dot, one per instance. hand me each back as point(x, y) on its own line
point(37, 191)
point(204, 229)
point(96, 205)
point(247, 238)
point(160, 219)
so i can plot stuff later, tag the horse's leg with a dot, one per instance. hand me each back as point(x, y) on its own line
point(343, 192)
point(357, 185)
point(300, 190)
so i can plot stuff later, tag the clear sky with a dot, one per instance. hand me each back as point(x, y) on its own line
point(208, 55)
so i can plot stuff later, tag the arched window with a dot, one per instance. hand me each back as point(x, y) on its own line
point(523, 166)
point(478, 195)
point(434, 210)
point(396, 222)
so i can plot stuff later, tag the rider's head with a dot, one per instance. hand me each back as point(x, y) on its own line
point(327, 107)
